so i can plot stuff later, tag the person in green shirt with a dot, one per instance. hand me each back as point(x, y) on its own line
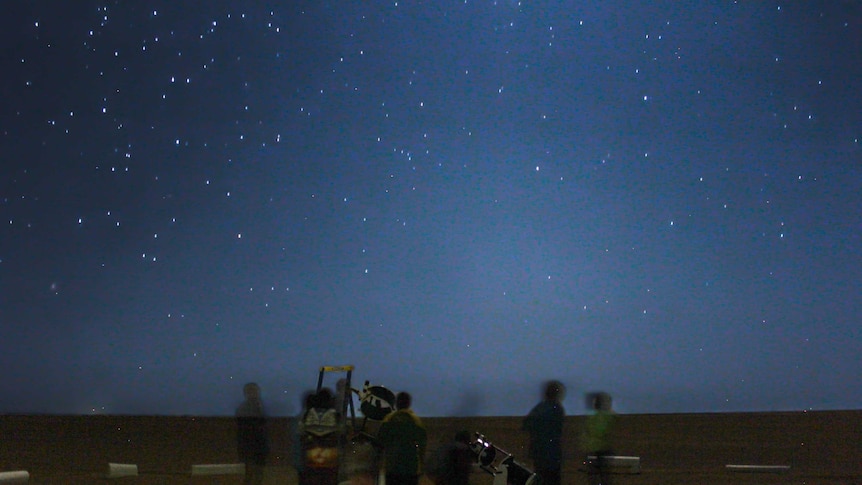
point(597, 438)
point(404, 440)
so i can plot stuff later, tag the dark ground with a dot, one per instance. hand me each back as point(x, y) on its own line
point(820, 447)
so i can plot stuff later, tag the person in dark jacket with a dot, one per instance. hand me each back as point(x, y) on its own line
point(252, 436)
point(404, 440)
point(544, 425)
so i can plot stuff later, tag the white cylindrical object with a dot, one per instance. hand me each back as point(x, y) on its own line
point(219, 469)
point(17, 476)
point(116, 470)
point(758, 468)
point(632, 464)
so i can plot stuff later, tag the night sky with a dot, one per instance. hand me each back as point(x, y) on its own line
point(657, 199)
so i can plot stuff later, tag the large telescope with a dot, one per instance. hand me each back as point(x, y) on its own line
point(500, 463)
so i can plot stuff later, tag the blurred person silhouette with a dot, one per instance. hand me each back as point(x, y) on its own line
point(343, 400)
point(252, 435)
point(319, 434)
point(453, 463)
point(404, 439)
point(596, 438)
point(343, 396)
point(544, 425)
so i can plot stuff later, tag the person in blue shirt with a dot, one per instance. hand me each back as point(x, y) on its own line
point(544, 425)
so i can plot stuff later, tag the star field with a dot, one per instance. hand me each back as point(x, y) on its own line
point(462, 199)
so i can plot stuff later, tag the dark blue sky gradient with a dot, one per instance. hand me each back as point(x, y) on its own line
point(462, 199)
